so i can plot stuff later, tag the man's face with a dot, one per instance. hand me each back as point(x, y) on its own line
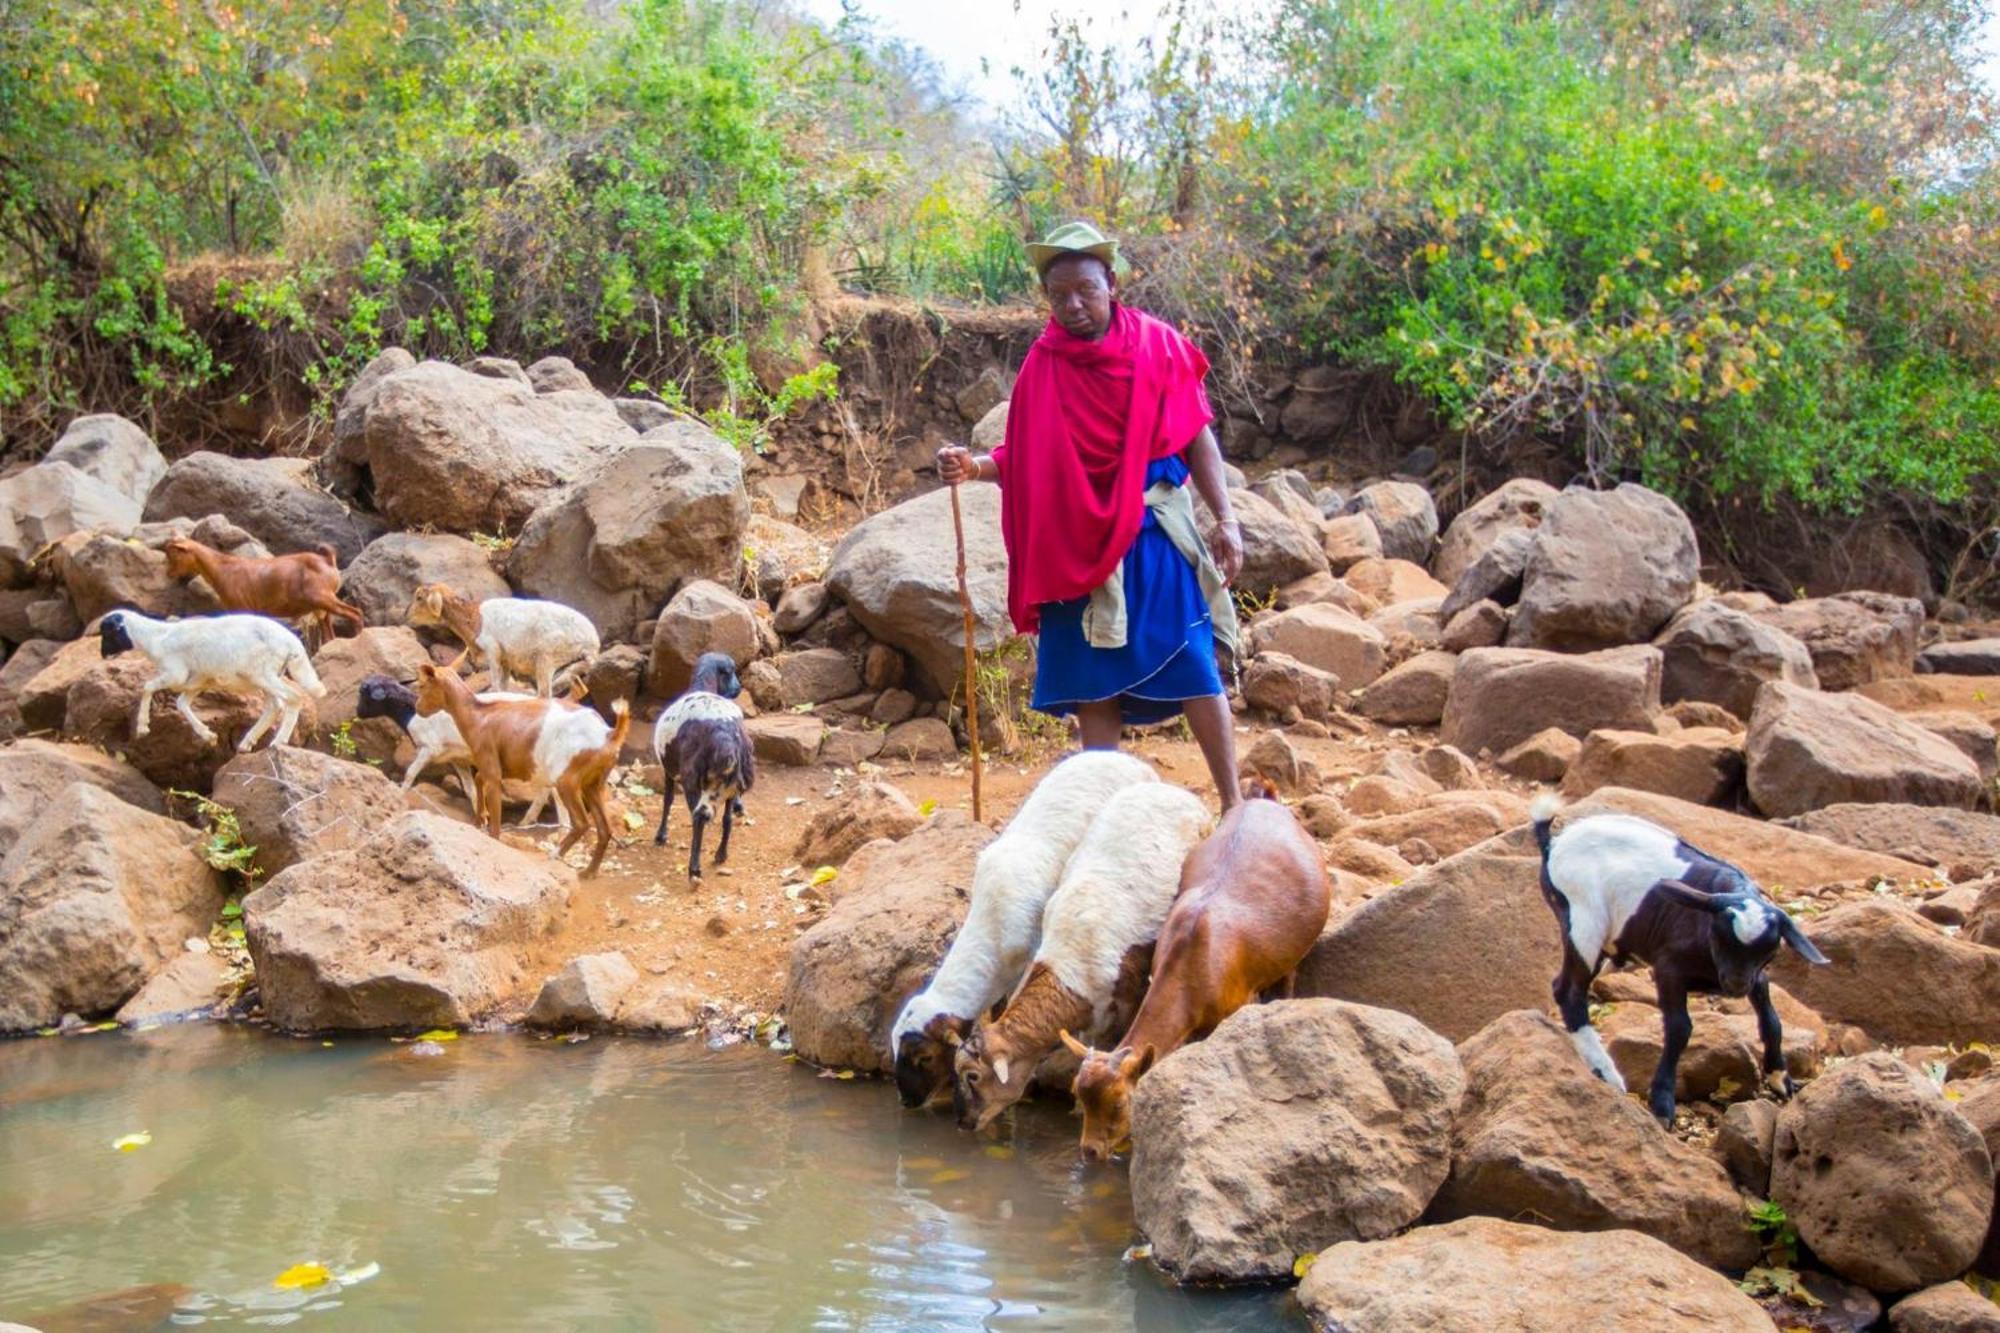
point(1079, 288)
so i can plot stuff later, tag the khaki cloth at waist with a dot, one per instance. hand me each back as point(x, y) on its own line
point(1104, 619)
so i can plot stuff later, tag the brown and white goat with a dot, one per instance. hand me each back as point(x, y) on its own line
point(1096, 948)
point(1253, 901)
point(523, 635)
point(543, 741)
point(303, 586)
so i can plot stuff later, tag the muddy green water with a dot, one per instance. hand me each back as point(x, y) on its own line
point(511, 1183)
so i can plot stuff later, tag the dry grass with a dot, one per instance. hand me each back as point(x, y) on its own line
point(322, 218)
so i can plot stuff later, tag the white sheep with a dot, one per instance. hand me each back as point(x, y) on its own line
point(438, 742)
point(247, 654)
point(1098, 933)
point(521, 635)
point(1011, 884)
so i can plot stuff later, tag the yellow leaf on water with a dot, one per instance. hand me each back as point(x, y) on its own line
point(922, 1163)
point(300, 1276)
point(438, 1034)
point(949, 1174)
point(999, 1151)
point(1303, 1263)
point(133, 1142)
point(824, 875)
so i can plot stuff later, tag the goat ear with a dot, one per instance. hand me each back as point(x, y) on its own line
point(1789, 930)
point(999, 1008)
point(1000, 1067)
point(1137, 1065)
point(1687, 895)
point(1076, 1048)
point(954, 1038)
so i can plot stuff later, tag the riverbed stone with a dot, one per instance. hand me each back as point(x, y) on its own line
point(396, 564)
point(34, 772)
point(1949, 1307)
point(1293, 1126)
point(586, 993)
point(189, 985)
point(275, 500)
point(1717, 654)
point(873, 810)
point(96, 895)
point(1520, 503)
point(1963, 844)
point(47, 502)
point(1703, 765)
point(703, 617)
point(1501, 696)
point(1608, 568)
point(113, 450)
point(1327, 637)
point(852, 971)
point(1807, 749)
point(1405, 515)
point(1895, 975)
point(1508, 1277)
point(425, 924)
point(1854, 637)
point(293, 803)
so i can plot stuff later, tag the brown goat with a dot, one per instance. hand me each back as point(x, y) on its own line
point(304, 586)
point(543, 741)
point(1253, 900)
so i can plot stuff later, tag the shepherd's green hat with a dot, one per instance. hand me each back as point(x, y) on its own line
point(1072, 238)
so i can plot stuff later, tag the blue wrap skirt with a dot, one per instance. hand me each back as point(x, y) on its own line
point(1169, 652)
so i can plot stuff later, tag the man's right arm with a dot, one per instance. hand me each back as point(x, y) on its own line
point(956, 463)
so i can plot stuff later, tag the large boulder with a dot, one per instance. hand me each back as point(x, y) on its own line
point(1960, 843)
point(1482, 908)
point(1392, 582)
point(1293, 1126)
point(586, 993)
point(1326, 636)
point(851, 972)
point(1968, 657)
point(1510, 1277)
point(100, 706)
point(43, 697)
point(344, 466)
point(293, 804)
point(668, 509)
point(1949, 1307)
point(442, 447)
point(96, 895)
point(790, 740)
point(1608, 568)
point(1700, 764)
point(1519, 504)
point(45, 503)
point(1720, 655)
point(1979, 1103)
point(1282, 685)
point(1896, 976)
point(896, 573)
point(1406, 517)
point(275, 500)
point(1807, 749)
point(1413, 694)
point(1724, 1058)
point(1887, 1184)
point(703, 617)
point(1502, 696)
point(1539, 1135)
point(114, 451)
point(1854, 637)
point(875, 810)
point(427, 923)
point(101, 571)
point(1276, 549)
point(1494, 577)
point(396, 564)
point(34, 772)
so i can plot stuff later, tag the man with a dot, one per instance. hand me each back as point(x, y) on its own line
point(1107, 425)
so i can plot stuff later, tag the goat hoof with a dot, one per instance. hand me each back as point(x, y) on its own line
point(1781, 1085)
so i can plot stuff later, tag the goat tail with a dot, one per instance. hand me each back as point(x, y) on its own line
point(1543, 812)
point(1257, 787)
point(621, 726)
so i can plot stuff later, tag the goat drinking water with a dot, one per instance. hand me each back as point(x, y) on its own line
point(1626, 890)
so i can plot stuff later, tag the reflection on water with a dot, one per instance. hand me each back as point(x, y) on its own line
point(516, 1184)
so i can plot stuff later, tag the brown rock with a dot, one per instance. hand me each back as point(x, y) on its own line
point(1293, 1126)
point(1449, 827)
point(1743, 1143)
point(1520, 503)
point(1348, 540)
point(873, 810)
point(101, 571)
point(1962, 844)
point(1368, 860)
point(1323, 815)
point(1887, 1184)
point(1481, 625)
point(882, 668)
point(1392, 581)
point(813, 676)
point(786, 738)
point(425, 924)
point(587, 993)
point(1896, 976)
point(844, 748)
point(293, 804)
point(1724, 1050)
point(393, 566)
point(1949, 1307)
point(1688, 714)
point(703, 617)
point(342, 664)
point(1806, 749)
point(96, 895)
point(1405, 515)
point(43, 504)
point(103, 701)
point(1482, 908)
point(190, 984)
point(1507, 1277)
point(1274, 757)
point(554, 374)
point(275, 500)
point(1703, 766)
point(1495, 576)
point(1967, 657)
point(660, 1006)
point(43, 698)
point(1544, 757)
point(921, 740)
point(1854, 637)
point(1979, 1103)
point(1502, 696)
point(893, 706)
point(1324, 588)
point(1973, 737)
point(1276, 549)
point(1283, 686)
point(1608, 568)
point(1719, 655)
point(1325, 636)
point(33, 773)
point(113, 451)
point(851, 972)
point(1412, 694)
point(1538, 1134)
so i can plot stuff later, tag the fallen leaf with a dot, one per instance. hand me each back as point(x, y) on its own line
point(824, 875)
point(1303, 1264)
point(300, 1276)
point(438, 1034)
point(634, 820)
point(948, 1175)
point(927, 807)
point(999, 1151)
point(133, 1142)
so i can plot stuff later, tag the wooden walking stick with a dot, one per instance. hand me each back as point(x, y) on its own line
point(971, 670)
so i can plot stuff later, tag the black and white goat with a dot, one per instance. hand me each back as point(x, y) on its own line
point(704, 749)
point(1626, 890)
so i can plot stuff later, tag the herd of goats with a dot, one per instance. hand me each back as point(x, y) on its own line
point(1072, 928)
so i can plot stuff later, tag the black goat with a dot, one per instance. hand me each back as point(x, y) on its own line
point(703, 748)
point(1626, 890)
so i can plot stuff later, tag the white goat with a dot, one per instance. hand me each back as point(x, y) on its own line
point(1098, 933)
point(509, 634)
point(437, 740)
point(1011, 884)
point(246, 654)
